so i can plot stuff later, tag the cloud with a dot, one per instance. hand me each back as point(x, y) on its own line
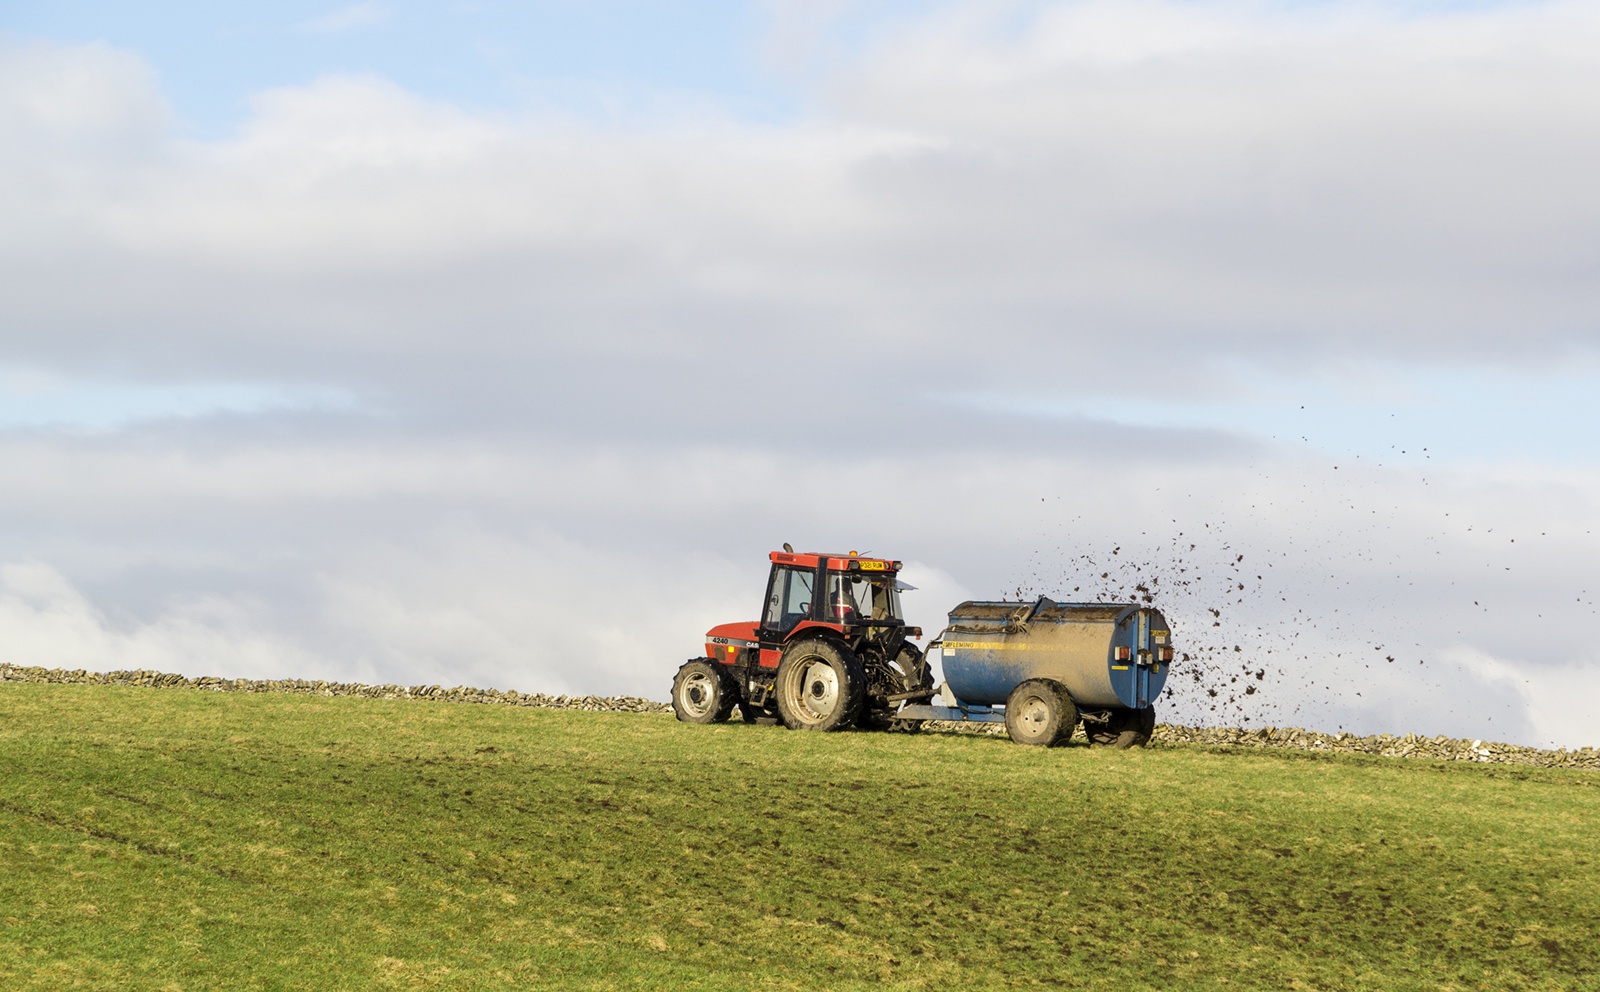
point(1211, 181)
point(355, 17)
point(51, 624)
point(1142, 164)
point(78, 101)
point(1543, 693)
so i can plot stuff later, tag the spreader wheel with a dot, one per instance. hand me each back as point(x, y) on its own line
point(1039, 712)
point(820, 686)
point(1126, 728)
point(699, 693)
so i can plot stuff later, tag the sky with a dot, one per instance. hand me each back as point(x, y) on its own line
point(497, 344)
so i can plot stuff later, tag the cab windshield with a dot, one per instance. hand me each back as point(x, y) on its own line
point(853, 596)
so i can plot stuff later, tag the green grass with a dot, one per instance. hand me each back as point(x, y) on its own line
point(185, 840)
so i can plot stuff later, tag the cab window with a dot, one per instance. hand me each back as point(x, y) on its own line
point(853, 596)
point(789, 600)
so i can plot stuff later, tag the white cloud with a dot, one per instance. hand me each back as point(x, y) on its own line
point(1556, 699)
point(53, 95)
point(1213, 180)
point(355, 17)
point(49, 623)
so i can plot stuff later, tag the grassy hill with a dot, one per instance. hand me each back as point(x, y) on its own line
point(190, 840)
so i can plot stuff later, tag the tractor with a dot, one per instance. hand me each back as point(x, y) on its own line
point(830, 652)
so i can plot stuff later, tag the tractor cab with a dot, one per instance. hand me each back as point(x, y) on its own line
point(837, 591)
point(851, 598)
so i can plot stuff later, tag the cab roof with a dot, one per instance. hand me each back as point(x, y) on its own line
point(839, 562)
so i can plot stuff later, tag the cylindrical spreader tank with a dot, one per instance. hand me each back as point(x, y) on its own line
point(1106, 654)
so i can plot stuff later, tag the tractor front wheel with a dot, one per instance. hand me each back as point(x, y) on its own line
point(820, 686)
point(1039, 712)
point(700, 694)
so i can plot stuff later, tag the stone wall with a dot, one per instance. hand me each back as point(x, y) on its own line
point(1405, 746)
point(458, 694)
point(1409, 745)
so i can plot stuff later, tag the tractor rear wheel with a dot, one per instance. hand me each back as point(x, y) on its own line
point(820, 686)
point(1039, 712)
point(1126, 728)
point(700, 693)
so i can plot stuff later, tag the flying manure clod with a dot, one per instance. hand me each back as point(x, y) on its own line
point(832, 652)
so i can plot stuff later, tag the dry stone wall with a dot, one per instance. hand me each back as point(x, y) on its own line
point(1389, 745)
point(1406, 746)
point(305, 687)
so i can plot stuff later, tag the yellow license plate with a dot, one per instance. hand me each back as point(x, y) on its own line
point(872, 566)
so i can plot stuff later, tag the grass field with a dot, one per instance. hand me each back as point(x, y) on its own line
point(187, 840)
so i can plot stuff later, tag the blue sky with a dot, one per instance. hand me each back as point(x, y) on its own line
point(1406, 416)
point(505, 55)
point(1384, 412)
point(42, 401)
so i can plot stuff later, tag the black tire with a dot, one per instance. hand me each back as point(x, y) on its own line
point(820, 686)
point(701, 693)
point(1126, 728)
point(915, 675)
point(1040, 713)
point(757, 715)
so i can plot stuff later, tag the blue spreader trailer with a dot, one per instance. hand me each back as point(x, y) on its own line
point(1042, 667)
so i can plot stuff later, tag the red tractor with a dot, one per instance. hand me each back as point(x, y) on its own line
point(831, 651)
